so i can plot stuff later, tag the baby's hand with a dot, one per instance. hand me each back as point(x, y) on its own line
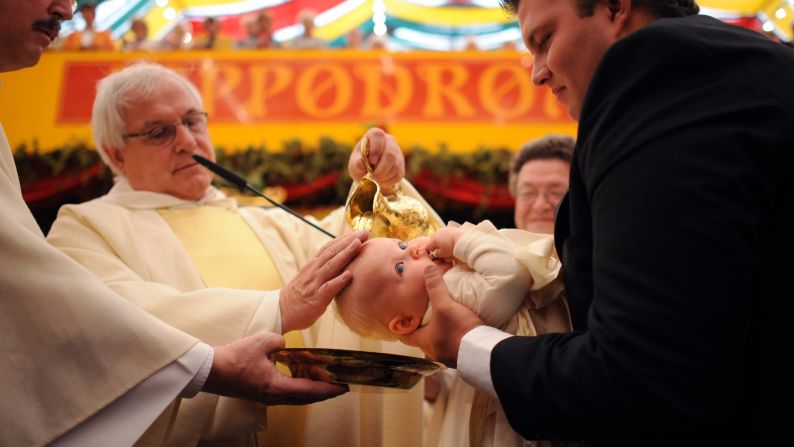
point(443, 242)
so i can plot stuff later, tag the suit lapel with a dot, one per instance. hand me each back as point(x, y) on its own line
point(562, 224)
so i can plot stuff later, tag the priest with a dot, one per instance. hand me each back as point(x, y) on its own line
point(174, 245)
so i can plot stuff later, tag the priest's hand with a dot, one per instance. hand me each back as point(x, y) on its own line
point(244, 370)
point(440, 339)
point(385, 158)
point(306, 297)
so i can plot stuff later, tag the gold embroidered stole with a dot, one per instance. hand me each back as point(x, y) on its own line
point(227, 253)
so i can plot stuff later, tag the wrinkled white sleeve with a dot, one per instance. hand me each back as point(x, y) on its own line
point(493, 283)
point(128, 417)
point(474, 357)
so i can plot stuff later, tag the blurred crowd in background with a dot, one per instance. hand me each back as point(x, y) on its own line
point(258, 30)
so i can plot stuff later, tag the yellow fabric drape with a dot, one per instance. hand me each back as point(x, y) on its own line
point(205, 232)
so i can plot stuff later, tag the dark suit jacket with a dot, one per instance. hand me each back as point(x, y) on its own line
point(679, 250)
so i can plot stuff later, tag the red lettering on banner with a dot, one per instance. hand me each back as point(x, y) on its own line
point(446, 81)
point(389, 89)
point(506, 91)
point(219, 86)
point(78, 90)
point(324, 90)
point(265, 83)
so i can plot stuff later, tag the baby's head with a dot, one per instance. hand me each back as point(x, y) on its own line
point(387, 297)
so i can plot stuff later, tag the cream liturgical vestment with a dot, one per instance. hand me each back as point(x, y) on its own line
point(125, 238)
point(69, 345)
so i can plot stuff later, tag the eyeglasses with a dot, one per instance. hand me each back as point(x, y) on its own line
point(163, 134)
point(552, 196)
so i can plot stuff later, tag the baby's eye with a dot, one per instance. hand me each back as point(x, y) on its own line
point(403, 245)
point(399, 268)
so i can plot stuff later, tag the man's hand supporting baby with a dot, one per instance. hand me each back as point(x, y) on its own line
point(440, 339)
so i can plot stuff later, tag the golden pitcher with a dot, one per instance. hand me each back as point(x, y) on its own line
point(394, 215)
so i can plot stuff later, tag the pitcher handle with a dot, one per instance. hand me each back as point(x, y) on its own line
point(364, 148)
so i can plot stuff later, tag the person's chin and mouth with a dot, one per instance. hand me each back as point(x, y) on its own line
point(48, 29)
point(561, 94)
point(39, 43)
point(189, 188)
point(558, 93)
point(187, 163)
point(540, 225)
point(193, 177)
point(185, 167)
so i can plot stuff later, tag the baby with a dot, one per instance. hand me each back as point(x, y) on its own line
point(505, 276)
point(508, 277)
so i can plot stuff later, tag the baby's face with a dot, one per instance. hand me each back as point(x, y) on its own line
point(394, 270)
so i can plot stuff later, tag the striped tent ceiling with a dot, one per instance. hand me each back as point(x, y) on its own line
point(410, 24)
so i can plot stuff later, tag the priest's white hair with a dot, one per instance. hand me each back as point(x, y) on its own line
point(116, 92)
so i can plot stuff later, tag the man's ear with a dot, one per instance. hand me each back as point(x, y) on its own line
point(619, 12)
point(116, 158)
point(403, 324)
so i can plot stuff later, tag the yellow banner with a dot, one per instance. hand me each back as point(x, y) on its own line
point(447, 16)
point(464, 100)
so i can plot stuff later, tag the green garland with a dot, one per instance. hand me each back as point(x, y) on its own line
point(488, 166)
point(295, 163)
point(298, 162)
point(34, 165)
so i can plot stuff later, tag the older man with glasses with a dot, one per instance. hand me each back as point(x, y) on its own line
point(538, 180)
point(168, 241)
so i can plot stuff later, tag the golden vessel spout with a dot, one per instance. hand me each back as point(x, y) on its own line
point(394, 215)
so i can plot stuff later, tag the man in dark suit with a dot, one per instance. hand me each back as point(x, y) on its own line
point(679, 234)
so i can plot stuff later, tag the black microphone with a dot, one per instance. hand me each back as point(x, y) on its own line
point(242, 185)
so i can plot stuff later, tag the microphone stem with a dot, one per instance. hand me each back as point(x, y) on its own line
point(289, 210)
point(241, 184)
